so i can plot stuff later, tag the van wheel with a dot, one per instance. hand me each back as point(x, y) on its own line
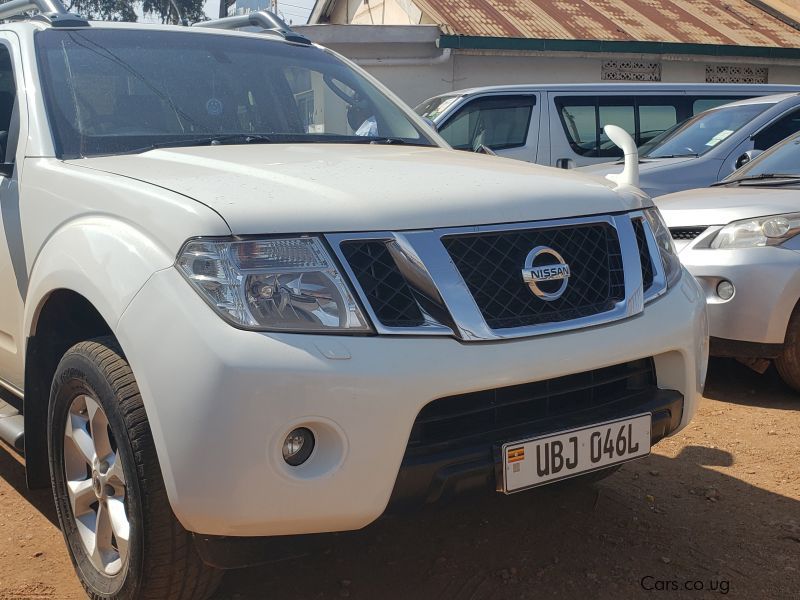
point(788, 362)
point(122, 536)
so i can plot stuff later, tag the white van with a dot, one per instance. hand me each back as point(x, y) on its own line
point(561, 124)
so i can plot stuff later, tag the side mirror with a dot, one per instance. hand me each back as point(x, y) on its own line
point(7, 169)
point(565, 163)
point(622, 139)
point(746, 158)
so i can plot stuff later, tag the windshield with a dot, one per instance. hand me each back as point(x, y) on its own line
point(111, 91)
point(430, 109)
point(701, 133)
point(782, 159)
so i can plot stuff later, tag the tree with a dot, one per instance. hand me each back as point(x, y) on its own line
point(168, 11)
point(104, 10)
point(175, 11)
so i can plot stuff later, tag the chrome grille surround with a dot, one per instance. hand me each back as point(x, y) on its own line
point(448, 307)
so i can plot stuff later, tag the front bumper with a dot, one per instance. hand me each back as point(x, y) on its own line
point(220, 401)
point(767, 287)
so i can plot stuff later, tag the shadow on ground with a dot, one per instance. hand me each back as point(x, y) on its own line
point(12, 471)
point(731, 381)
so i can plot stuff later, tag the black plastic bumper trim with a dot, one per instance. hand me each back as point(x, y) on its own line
point(726, 348)
point(433, 477)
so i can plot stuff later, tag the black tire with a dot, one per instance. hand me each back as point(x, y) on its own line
point(161, 563)
point(788, 362)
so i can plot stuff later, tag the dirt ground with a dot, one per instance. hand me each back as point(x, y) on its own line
point(714, 511)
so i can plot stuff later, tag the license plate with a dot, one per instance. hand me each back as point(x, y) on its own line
point(546, 459)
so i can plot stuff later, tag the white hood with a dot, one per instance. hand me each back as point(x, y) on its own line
point(328, 188)
point(722, 204)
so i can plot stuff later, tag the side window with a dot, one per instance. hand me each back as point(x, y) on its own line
point(655, 120)
point(498, 122)
point(621, 114)
point(644, 117)
point(8, 94)
point(780, 129)
point(701, 104)
point(580, 125)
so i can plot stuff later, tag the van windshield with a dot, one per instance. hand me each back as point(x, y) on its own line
point(431, 109)
point(111, 91)
point(703, 132)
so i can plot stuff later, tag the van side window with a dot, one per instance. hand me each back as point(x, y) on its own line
point(614, 113)
point(580, 124)
point(498, 122)
point(644, 117)
point(702, 104)
point(655, 120)
point(8, 94)
point(780, 129)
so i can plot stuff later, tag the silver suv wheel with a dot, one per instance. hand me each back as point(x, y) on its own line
point(96, 485)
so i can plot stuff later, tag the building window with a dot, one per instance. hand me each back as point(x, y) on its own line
point(630, 70)
point(736, 74)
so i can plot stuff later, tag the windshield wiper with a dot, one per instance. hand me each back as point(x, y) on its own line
point(764, 177)
point(382, 141)
point(388, 140)
point(688, 155)
point(219, 140)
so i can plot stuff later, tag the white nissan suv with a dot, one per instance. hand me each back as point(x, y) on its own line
point(247, 293)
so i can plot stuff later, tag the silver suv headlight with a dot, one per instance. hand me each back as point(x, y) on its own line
point(666, 247)
point(277, 284)
point(763, 231)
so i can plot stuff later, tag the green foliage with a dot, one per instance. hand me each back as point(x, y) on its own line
point(174, 11)
point(103, 10)
point(167, 11)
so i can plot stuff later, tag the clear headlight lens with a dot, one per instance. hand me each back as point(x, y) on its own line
point(763, 231)
point(666, 248)
point(286, 284)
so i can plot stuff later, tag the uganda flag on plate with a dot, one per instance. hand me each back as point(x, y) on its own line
point(515, 454)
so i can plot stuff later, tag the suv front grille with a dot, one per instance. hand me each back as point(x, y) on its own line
point(468, 282)
point(644, 254)
point(491, 266)
point(504, 414)
point(686, 233)
point(385, 288)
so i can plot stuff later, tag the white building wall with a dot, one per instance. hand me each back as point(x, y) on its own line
point(379, 49)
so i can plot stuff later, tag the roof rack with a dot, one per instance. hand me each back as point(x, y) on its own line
point(50, 11)
point(266, 20)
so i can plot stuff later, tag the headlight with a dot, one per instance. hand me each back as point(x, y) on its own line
point(666, 248)
point(763, 231)
point(286, 284)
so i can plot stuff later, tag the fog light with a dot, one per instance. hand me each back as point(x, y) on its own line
point(297, 446)
point(725, 289)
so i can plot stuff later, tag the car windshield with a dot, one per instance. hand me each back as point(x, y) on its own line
point(781, 159)
point(430, 109)
point(701, 133)
point(111, 91)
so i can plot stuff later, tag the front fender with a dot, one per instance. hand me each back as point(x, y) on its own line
point(104, 259)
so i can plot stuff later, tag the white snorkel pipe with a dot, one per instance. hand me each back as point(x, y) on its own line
point(623, 140)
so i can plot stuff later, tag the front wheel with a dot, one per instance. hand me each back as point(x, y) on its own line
point(788, 362)
point(123, 538)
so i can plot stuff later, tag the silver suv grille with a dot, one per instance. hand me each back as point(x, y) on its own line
point(490, 264)
point(468, 282)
